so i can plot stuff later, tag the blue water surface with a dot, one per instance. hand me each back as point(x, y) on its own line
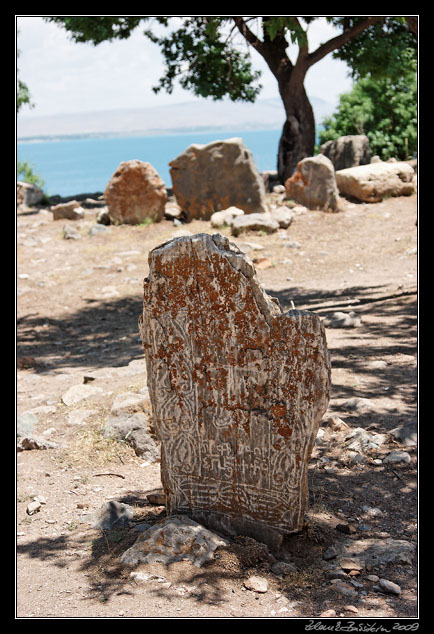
point(85, 165)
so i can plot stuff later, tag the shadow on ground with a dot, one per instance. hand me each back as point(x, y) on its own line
point(105, 333)
point(332, 497)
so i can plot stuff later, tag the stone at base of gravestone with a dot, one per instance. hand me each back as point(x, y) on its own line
point(348, 151)
point(238, 389)
point(135, 193)
point(173, 539)
point(314, 184)
point(212, 177)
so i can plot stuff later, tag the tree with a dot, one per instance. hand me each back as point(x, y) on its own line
point(385, 110)
point(203, 53)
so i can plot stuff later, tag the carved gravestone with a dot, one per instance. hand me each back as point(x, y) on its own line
point(238, 389)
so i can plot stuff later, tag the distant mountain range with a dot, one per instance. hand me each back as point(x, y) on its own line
point(192, 116)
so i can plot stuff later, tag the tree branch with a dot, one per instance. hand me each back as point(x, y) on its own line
point(347, 35)
point(248, 34)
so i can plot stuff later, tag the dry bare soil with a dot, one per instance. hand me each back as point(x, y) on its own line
point(78, 302)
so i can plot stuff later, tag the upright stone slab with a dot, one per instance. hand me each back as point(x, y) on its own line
point(135, 193)
point(213, 177)
point(238, 389)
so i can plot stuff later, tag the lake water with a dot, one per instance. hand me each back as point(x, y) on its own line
point(85, 165)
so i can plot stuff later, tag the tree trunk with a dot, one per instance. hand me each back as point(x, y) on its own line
point(298, 135)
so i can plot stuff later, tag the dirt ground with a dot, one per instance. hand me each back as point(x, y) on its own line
point(78, 302)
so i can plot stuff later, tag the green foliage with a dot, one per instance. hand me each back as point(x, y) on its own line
point(381, 50)
point(206, 62)
point(25, 173)
point(385, 110)
point(23, 95)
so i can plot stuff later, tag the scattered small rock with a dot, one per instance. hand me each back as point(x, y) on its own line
point(33, 507)
point(342, 320)
point(397, 456)
point(225, 217)
point(360, 440)
point(77, 393)
point(350, 564)
point(28, 443)
point(344, 588)
point(79, 416)
point(70, 233)
point(26, 423)
point(257, 584)
point(337, 424)
point(405, 434)
point(98, 228)
point(328, 614)
point(67, 211)
point(112, 515)
point(389, 586)
point(282, 568)
point(254, 222)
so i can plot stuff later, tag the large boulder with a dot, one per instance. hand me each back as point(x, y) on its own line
point(371, 183)
point(313, 184)
point(348, 151)
point(135, 193)
point(28, 194)
point(213, 177)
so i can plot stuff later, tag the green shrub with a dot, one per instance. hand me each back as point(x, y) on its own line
point(383, 109)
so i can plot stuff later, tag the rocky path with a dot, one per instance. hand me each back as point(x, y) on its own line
point(81, 366)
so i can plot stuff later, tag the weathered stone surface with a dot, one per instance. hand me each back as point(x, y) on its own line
point(314, 184)
point(133, 429)
point(254, 222)
point(225, 217)
point(28, 194)
point(237, 387)
point(173, 539)
point(135, 193)
point(71, 210)
point(212, 177)
point(348, 151)
point(283, 215)
point(371, 183)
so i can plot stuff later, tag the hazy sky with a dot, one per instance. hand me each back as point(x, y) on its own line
point(66, 77)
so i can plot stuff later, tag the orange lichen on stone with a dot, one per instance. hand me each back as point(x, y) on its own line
point(238, 388)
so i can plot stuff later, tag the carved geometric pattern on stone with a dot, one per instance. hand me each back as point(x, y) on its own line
point(238, 387)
